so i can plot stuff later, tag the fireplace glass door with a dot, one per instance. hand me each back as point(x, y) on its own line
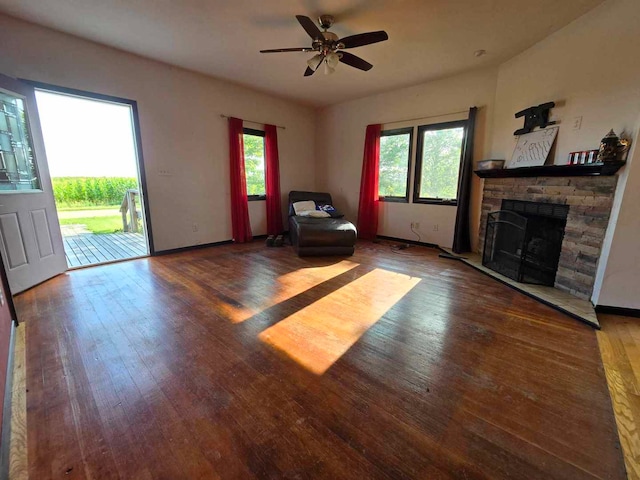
point(504, 239)
point(523, 241)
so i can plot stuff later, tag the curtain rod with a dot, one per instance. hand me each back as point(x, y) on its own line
point(424, 118)
point(251, 121)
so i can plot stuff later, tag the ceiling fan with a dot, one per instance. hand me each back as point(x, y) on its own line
point(329, 46)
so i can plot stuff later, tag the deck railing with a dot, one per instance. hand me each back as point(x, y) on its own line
point(131, 216)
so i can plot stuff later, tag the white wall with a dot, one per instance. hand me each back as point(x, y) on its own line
point(590, 68)
point(340, 140)
point(618, 276)
point(180, 126)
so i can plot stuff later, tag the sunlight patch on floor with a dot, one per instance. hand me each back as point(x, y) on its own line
point(319, 334)
point(285, 287)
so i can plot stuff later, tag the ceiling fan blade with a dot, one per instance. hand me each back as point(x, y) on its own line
point(364, 39)
point(279, 50)
point(354, 61)
point(309, 71)
point(309, 26)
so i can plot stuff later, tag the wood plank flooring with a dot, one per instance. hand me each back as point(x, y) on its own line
point(82, 249)
point(193, 365)
point(18, 457)
point(619, 343)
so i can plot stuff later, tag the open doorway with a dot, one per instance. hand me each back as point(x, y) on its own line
point(94, 167)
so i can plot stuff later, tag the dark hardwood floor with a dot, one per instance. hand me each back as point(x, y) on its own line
point(241, 362)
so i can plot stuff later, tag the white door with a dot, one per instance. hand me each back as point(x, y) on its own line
point(30, 239)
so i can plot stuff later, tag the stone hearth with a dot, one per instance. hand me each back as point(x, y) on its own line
point(590, 200)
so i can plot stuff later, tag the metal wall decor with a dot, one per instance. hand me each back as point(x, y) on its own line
point(537, 116)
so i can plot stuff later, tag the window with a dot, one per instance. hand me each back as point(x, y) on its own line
point(438, 162)
point(395, 160)
point(254, 163)
point(17, 165)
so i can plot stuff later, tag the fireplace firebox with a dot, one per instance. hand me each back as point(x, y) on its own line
point(523, 240)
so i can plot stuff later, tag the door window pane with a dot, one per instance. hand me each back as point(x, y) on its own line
point(17, 168)
point(395, 155)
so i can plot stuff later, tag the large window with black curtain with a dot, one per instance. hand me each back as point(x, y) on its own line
point(438, 158)
point(254, 163)
point(395, 164)
point(441, 172)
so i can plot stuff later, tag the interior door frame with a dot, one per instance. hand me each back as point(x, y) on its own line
point(138, 138)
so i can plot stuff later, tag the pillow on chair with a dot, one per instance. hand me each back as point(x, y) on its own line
point(315, 214)
point(304, 206)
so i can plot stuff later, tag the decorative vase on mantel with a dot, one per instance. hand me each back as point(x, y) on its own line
point(608, 151)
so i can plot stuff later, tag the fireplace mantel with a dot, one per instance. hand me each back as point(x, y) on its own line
point(609, 168)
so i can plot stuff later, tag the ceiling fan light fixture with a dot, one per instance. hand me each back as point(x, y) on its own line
point(329, 46)
point(332, 60)
point(315, 61)
point(328, 69)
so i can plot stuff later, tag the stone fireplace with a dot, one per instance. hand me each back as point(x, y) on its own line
point(589, 199)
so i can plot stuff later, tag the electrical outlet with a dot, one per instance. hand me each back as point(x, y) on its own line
point(194, 227)
point(435, 227)
point(416, 225)
point(577, 123)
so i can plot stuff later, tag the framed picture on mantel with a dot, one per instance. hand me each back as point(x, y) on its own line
point(533, 148)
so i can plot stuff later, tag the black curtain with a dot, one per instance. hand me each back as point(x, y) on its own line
point(462, 233)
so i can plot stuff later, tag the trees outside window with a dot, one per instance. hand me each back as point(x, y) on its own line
point(395, 161)
point(438, 162)
point(254, 163)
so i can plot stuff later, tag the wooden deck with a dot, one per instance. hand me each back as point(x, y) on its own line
point(83, 247)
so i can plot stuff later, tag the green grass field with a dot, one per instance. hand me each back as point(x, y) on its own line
point(104, 224)
point(86, 208)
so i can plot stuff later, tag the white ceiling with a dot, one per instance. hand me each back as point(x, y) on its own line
point(428, 39)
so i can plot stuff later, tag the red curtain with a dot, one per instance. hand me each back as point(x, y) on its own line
point(240, 226)
point(369, 202)
point(274, 208)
